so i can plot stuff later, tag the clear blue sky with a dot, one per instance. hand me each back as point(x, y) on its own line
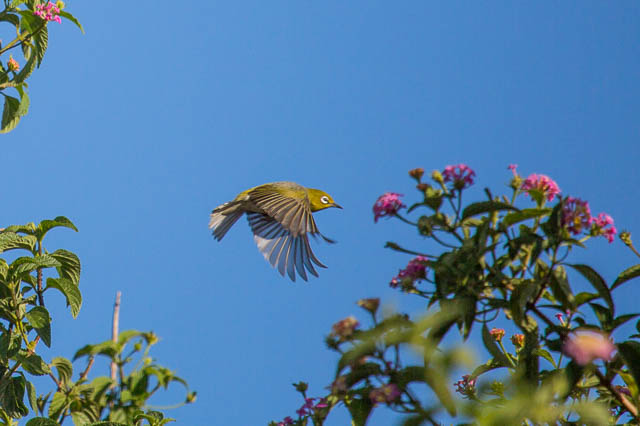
point(160, 113)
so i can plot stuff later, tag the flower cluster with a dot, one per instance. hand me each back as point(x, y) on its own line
point(309, 407)
point(344, 328)
point(497, 334)
point(576, 215)
point(466, 386)
point(517, 340)
point(586, 345)
point(461, 175)
point(387, 204)
point(600, 225)
point(370, 305)
point(13, 65)
point(48, 12)
point(387, 393)
point(542, 185)
point(416, 270)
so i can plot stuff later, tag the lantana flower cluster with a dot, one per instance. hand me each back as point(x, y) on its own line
point(541, 184)
point(344, 329)
point(385, 394)
point(416, 270)
point(461, 175)
point(387, 204)
point(576, 216)
point(48, 12)
point(466, 386)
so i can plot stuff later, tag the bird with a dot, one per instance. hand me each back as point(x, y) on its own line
point(279, 214)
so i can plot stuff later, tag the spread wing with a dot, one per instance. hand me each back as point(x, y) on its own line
point(281, 247)
point(294, 214)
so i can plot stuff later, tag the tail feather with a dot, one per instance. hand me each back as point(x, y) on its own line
point(222, 219)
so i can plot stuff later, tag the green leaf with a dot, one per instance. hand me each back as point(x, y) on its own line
point(519, 216)
point(574, 375)
point(437, 381)
point(107, 348)
point(41, 41)
point(11, 18)
point(546, 355)
point(26, 70)
point(11, 241)
point(10, 116)
point(630, 351)
point(71, 18)
point(560, 288)
point(107, 424)
point(59, 403)
point(127, 335)
point(46, 225)
point(12, 396)
point(492, 347)
point(70, 291)
point(485, 207)
point(626, 275)
point(64, 368)
point(33, 364)
point(40, 320)
point(597, 282)
point(603, 314)
point(42, 421)
point(360, 409)
point(31, 394)
point(617, 322)
point(69, 265)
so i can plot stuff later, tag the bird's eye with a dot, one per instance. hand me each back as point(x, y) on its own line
point(324, 199)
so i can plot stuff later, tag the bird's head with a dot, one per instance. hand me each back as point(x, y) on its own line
point(320, 200)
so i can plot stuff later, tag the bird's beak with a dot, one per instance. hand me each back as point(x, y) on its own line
point(337, 205)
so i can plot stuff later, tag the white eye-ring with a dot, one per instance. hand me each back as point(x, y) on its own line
point(324, 199)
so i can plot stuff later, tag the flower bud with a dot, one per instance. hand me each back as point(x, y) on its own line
point(301, 386)
point(417, 173)
point(60, 4)
point(13, 65)
point(497, 334)
point(370, 305)
point(437, 176)
point(625, 237)
point(517, 340)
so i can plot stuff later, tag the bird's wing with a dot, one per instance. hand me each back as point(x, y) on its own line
point(292, 213)
point(281, 248)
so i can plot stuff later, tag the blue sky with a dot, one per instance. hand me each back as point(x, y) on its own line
point(158, 114)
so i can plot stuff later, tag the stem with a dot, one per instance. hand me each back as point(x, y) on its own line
point(40, 292)
point(114, 332)
point(22, 38)
point(85, 373)
point(625, 402)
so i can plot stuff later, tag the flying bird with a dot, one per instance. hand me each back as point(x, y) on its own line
point(279, 215)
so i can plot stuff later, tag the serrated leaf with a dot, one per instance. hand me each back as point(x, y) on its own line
point(70, 291)
point(58, 404)
point(127, 335)
point(70, 265)
point(32, 397)
point(485, 207)
point(107, 348)
point(524, 214)
point(11, 18)
point(597, 282)
point(626, 275)
point(40, 320)
point(64, 368)
point(33, 364)
point(10, 117)
point(46, 225)
point(12, 396)
point(11, 241)
point(546, 355)
point(42, 421)
point(26, 70)
point(41, 41)
point(560, 288)
point(71, 18)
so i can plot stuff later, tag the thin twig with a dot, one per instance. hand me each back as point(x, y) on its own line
point(85, 373)
point(114, 332)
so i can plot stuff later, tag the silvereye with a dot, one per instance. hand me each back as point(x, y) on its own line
point(279, 214)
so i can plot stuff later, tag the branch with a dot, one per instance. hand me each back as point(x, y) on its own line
point(114, 332)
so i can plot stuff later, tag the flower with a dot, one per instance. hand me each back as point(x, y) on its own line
point(517, 340)
point(461, 175)
point(466, 386)
point(416, 173)
point(387, 204)
point(541, 185)
point(344, 328)
point(600, 224)
point(286, 421)
point(497, 334)
point(586, 345)
point(387, 393)
point(513, 168)
point(48, 12)
point(339, 385)
point(576, 215)
point(370, 304)
point(416, 270)
point(13, 65)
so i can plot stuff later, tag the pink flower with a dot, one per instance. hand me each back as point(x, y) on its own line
point(586, 345)
point(387, 204)
point(497, 334)
point(461, 175)
point(344, 328)
point(286, 421)
point(387, 393)
point(466, 386)
point(416, 270)
point(48, 12)
point(13, 65)
point(576, 215)
point(517, 340)
point(513, 168)
point(600, 224)
point(541, 184)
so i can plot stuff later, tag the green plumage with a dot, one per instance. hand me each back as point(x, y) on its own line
point(279, 214)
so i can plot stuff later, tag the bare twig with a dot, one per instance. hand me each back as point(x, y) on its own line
point(114, 332)
point(85, 373)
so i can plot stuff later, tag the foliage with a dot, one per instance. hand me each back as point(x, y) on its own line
point(30, 18)
point(496, 259)
point(25, 321)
